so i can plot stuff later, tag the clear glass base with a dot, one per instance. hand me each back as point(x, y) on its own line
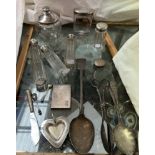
point(89, 52)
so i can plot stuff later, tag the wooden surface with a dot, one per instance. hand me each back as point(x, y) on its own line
point(43, 153)
point(117, 23)
point(126, 23)
point(110, 44)
point(22, 57)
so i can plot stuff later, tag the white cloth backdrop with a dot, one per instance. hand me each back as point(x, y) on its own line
point(127, 64)
point(111, 10)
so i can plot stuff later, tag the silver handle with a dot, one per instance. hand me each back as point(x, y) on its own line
point(81, 92)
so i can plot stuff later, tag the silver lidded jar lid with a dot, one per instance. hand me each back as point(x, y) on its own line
point(83, 11)
point(101, 26)
point(47, 16)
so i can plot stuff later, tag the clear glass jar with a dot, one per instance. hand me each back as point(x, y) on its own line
point(49, 28)
point(82, 20)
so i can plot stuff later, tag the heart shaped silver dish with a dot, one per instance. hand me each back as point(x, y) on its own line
point(55, 130)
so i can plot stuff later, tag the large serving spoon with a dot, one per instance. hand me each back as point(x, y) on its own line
point(81, 131)
point(124, 137)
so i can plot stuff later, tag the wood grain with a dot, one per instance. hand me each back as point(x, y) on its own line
point(126, 23)
point(43, 153)
point(118, 23)
point(110, 44)
point(22, 57)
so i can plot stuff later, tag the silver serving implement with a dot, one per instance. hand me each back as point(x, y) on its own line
point(35, 133)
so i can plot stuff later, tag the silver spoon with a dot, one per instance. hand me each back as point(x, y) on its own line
point(124, 137)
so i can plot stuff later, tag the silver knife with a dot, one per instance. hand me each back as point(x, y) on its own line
point(35, 133)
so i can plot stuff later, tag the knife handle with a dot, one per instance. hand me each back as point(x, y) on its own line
point(29, 99)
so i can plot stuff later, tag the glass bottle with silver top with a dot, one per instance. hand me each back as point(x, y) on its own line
point(49, 27)
point(82, 20)
point(99, 41)
point(70, 50)
point(39, 73)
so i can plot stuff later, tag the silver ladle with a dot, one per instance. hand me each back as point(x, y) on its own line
point(124, 137)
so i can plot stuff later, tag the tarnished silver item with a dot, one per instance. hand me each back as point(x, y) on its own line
point(47, 16)
point(55, 130)
point(83, 11)
point(99, 62)
point(35, 133)
point(131, 120)
point(81, 131)
point(49, 28)
point(123, 136)
point(101, 26)
point(82, 20)
point(61, 96)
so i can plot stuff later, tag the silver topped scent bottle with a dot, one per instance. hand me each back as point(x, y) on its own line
point(38, 70)
point(99, 41)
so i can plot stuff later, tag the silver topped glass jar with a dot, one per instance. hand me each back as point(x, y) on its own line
point(49, 27)
point(99, 41)
point(82, 20)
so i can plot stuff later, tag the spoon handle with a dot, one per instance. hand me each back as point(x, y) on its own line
point(81, 66)
point(81, 92)
point(114, 95)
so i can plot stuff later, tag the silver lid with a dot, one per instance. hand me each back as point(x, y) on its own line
point(99, 62)
point(83, 11)
point(47, 16)
point(101, 26)
point(34, 41)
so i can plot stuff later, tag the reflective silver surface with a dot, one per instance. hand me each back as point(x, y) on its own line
point(35, 133)
point(83, 11)
point(101, 26)
point(125, 139)
point(61, 96)
point(55, 130)
point(99, 62)
point(82, 20)
point(47, 16)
